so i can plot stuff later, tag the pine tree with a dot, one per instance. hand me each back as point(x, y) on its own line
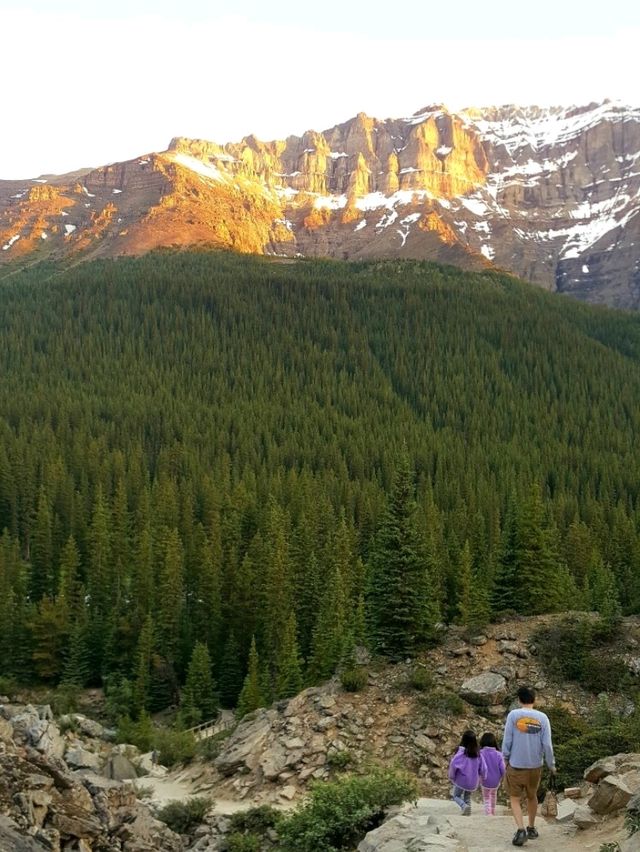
point(207, 609)
point(69, 588)
point(171, 598)
point(473, 604)
point(504, 595)
point(400, 602)
point(330, 633)
point(251, 697)
point(541, 577)
point(230, 676)
point(198, 698)
point(76, 666)
point(142, 670)
point(288, 668)
point(42, 580)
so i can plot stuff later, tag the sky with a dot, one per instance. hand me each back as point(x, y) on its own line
point(86, 83)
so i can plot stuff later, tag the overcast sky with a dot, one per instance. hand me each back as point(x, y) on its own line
point(86, 83)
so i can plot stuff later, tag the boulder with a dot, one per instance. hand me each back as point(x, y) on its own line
point(79, 758)
point(566, 810)
point(45, 736)
point(424, 743)
point(600, 769)
point(273, 761)
point(88, 727)
point(631, 844)
point(417, 829)
point(584, 817)
point(119, 768)
point(617, 764)
point(486, 689)
point(611, 795)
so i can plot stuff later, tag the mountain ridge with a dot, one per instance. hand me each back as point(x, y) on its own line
point(549, 194)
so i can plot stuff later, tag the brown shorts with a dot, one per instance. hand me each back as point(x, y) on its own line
point(522, 782)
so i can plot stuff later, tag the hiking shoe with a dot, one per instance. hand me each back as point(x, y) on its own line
point(520, 837)
point(532, 832)
point(466, 811)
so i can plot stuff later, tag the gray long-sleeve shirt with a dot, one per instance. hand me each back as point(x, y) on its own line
point(527, 739)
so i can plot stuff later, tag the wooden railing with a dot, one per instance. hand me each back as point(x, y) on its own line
point(207, 729)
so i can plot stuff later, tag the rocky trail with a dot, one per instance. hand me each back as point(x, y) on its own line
point(435, 824)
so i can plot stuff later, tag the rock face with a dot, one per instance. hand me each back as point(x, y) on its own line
point(51, 803)
point(552, 195)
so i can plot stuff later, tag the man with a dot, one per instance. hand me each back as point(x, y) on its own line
point(527, 740)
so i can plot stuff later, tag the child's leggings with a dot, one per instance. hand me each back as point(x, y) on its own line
point(489, 799)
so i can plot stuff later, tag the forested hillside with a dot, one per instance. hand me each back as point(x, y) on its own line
point(200, 449)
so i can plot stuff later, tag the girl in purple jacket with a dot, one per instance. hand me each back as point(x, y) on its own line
point(465, 771)
point(494, 766)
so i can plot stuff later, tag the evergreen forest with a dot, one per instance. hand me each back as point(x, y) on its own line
point(221, 474)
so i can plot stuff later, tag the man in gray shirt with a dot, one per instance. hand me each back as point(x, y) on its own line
point(526, 742)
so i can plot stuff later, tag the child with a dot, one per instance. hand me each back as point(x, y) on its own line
point(465, 770)
point(494, 770)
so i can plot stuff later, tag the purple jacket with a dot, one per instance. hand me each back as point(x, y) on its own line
point(494, 765)
point(464, 771)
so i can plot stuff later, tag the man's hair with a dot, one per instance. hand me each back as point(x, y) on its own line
point(526, 695)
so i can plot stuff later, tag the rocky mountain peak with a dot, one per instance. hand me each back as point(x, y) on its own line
point(549, 193)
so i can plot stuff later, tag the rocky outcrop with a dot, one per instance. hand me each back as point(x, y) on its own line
point(48, 802)
point(552, 195)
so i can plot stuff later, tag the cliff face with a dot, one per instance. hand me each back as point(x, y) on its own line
point(549, 194)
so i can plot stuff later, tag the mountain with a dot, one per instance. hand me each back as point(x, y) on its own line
point(549, 194)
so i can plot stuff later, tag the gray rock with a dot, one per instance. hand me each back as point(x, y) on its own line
point(79, 758)
point(88, 727)
point(611, 795)
point(584, 817)
point(119, 768)
point(12, 841)
point(244, 746)
point(600, 769)
point(424, 743)
point(631, 844)
point(45, 736)
point(485, 689)
point(417, 829)
point(566, 810)
point(273, 761)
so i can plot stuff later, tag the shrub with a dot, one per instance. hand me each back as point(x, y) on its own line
point(632, 822)
point(174, 746)
point(339, 759)
point(444, 702)
point(577, 649)
point(182, 817)
point(420, 679)
point(339, 813)
point(8, 686)
point(139, 733)
point(255, 820)
point(243, 843)
point(354, 679)
point(564, 725)
point(576, 754)
point(64, 699)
